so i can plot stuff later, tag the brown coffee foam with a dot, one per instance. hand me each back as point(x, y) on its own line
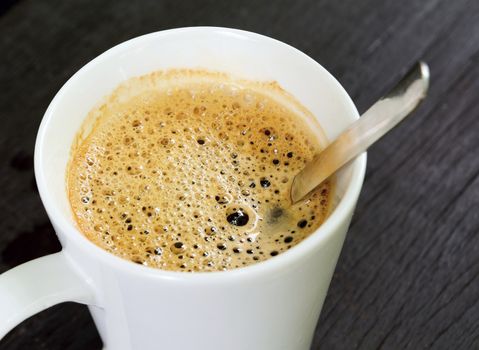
point(169, 156)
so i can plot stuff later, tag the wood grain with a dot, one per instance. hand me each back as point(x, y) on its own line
point(408, 276)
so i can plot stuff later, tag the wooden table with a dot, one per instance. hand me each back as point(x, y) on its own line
point(408, 276)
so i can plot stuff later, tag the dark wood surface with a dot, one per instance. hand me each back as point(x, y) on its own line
point(408, 276)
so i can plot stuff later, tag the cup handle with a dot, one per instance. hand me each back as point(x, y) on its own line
point(38, 284)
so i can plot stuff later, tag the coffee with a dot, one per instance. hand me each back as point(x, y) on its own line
point(191, 171)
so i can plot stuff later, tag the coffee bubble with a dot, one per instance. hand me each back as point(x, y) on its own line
point(194, 176)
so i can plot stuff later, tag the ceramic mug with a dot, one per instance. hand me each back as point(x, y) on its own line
point(273, 305)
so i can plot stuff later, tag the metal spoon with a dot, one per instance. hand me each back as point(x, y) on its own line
point(381, 117)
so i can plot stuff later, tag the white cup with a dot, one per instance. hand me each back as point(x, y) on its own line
point(270, 305)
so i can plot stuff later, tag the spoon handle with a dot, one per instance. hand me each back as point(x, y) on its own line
point(373, 124)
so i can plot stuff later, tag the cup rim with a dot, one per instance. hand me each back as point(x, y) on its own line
point(282, 261)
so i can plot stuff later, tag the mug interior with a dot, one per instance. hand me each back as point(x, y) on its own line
point(242, 54)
